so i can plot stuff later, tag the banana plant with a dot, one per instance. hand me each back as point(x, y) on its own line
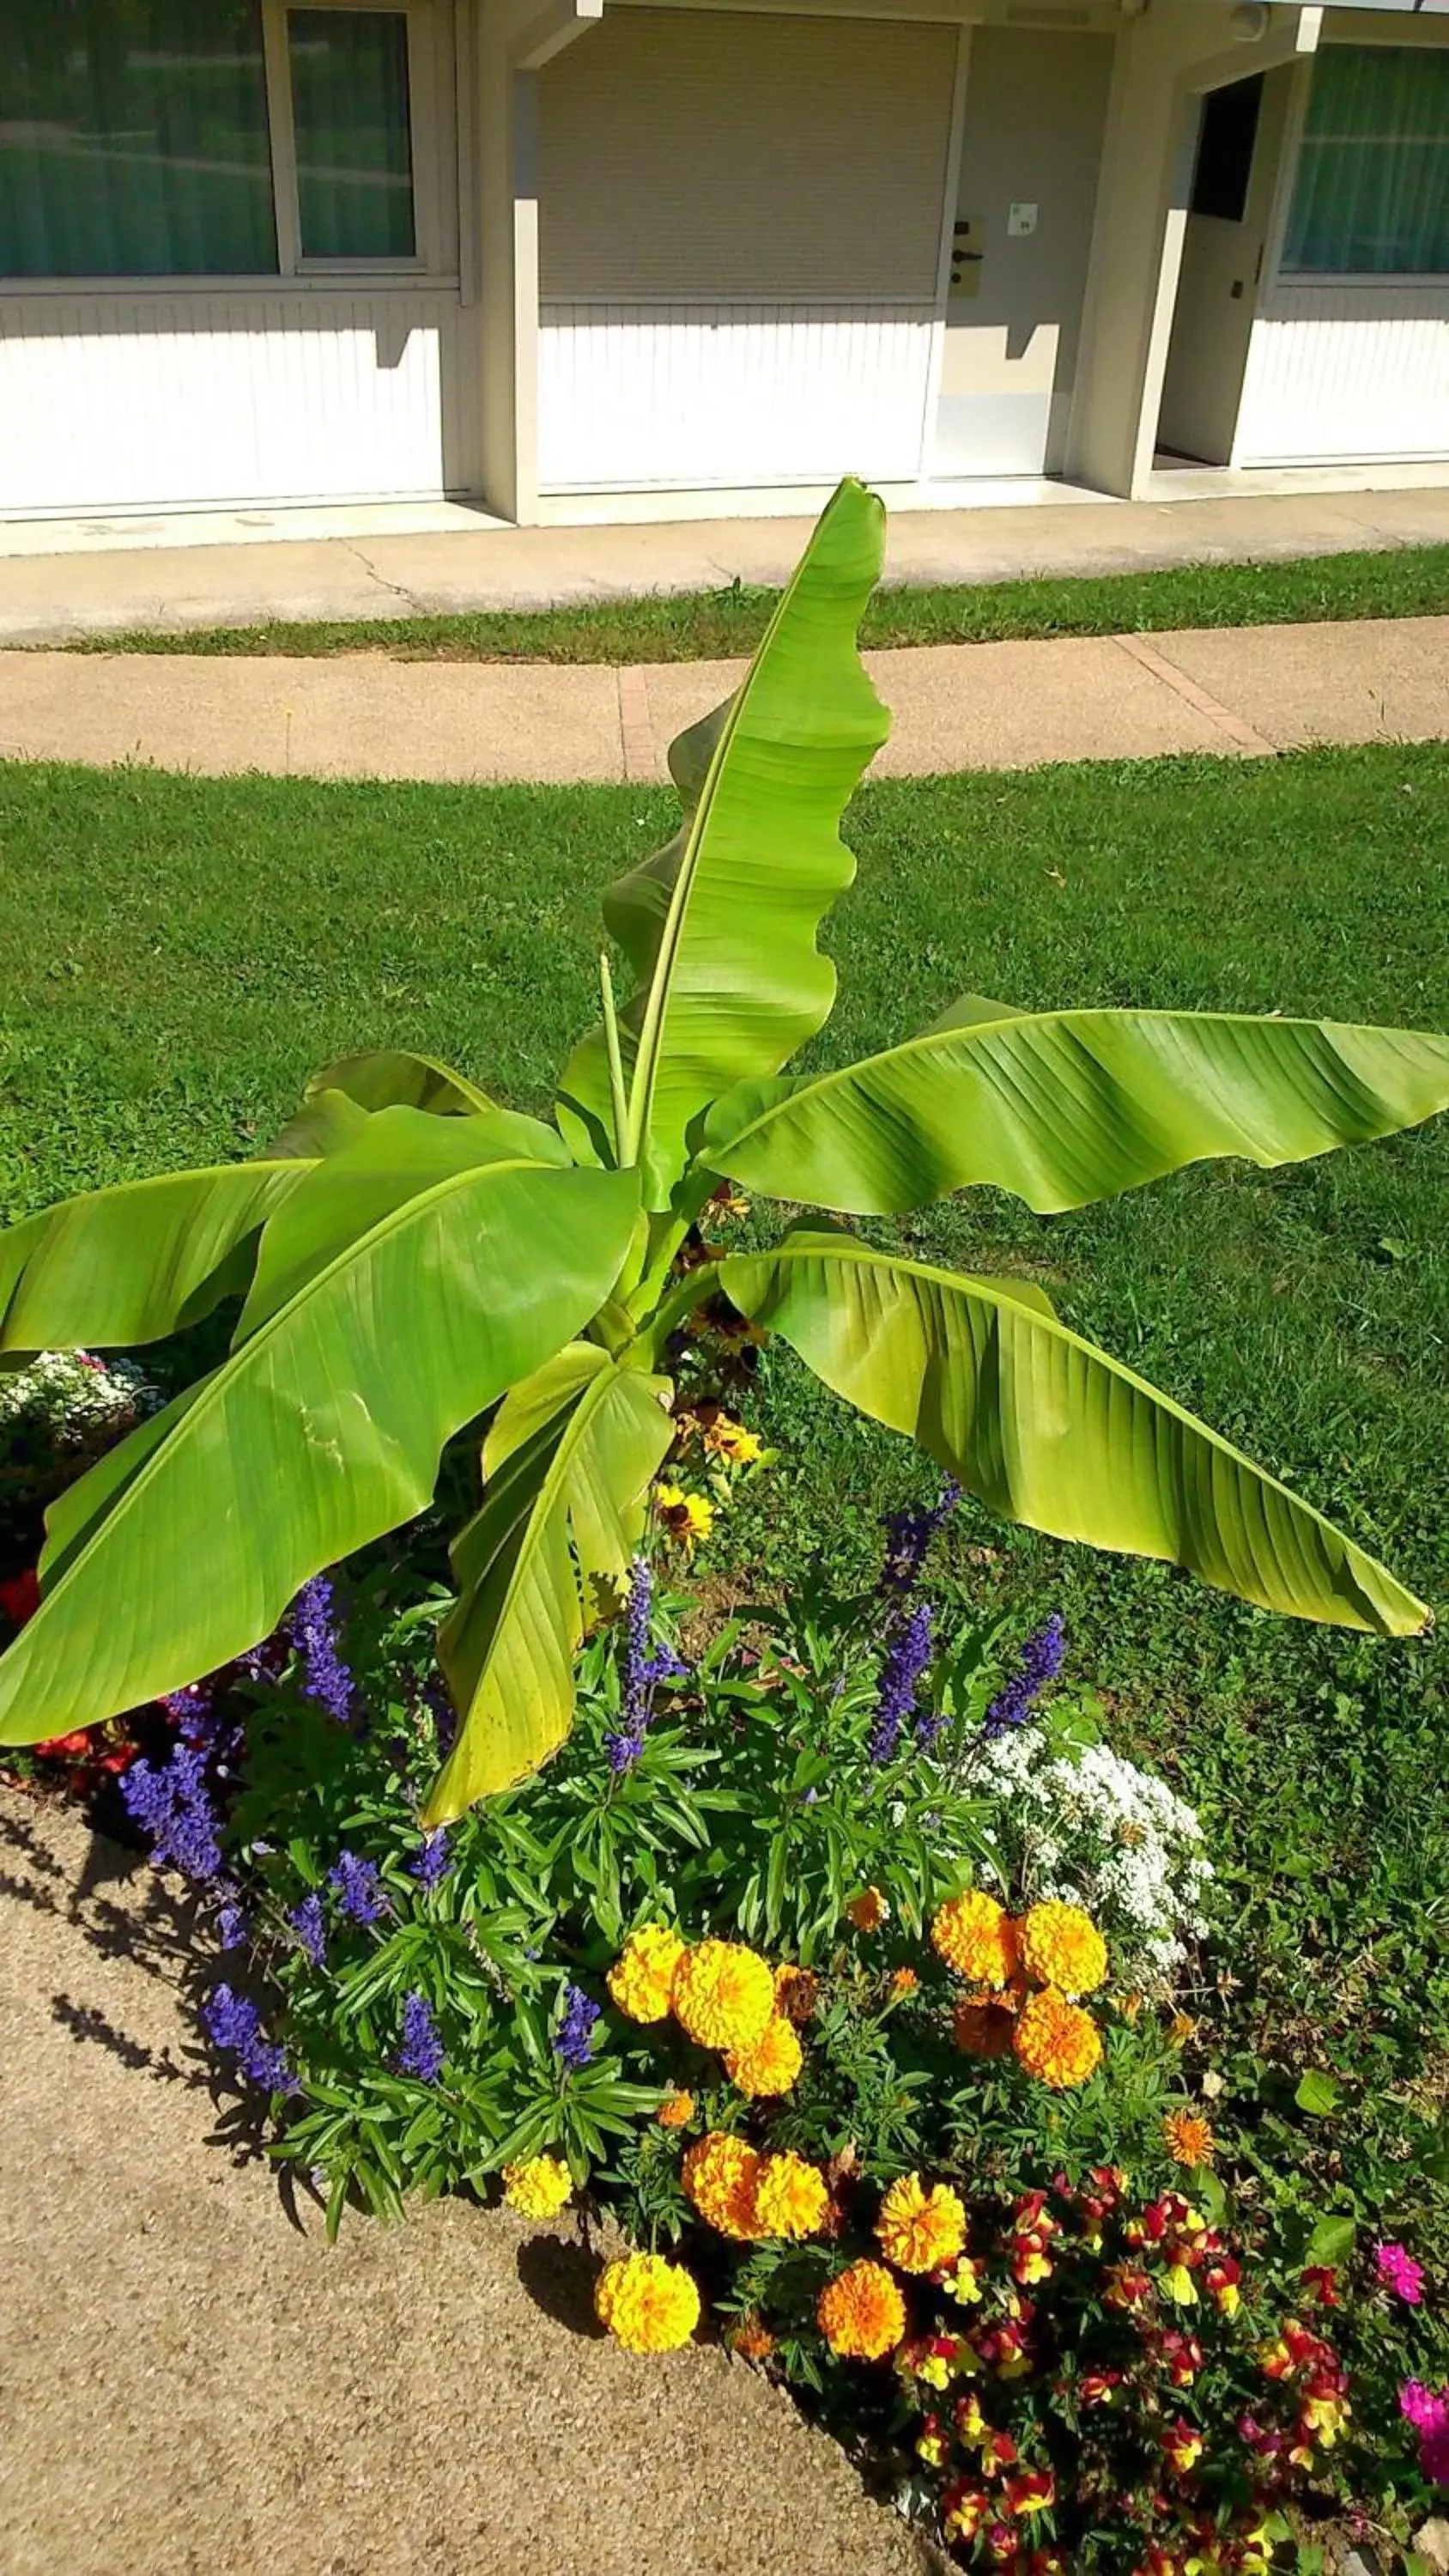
point(412, 1258)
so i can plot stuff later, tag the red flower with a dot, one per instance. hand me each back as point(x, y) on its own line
point(65, 1748)
point(1033, 2492)
point(1320, 2280)
point(21, 1599)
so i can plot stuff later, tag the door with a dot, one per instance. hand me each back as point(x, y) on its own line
point(1240, 140)
point(1031, 147)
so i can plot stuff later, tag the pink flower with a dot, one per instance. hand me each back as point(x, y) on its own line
point(1398, 2271)
point(1427, 2410)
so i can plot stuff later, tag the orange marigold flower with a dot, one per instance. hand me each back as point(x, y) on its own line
point(904, 1981)
point(1057, 2041)
point(677, 2112)
point(861, 2313)
point(1062, 1947)
point(976, 1937)
point(641, 1979)
point(718, 2175)
point(982, 2029)
point(723, 1994)
point(751, 2340)
point(796, 1992)
point(771, 2063)
point(921, 2227)
point(648, 2304)
point(1189, 2138)
point(792, 2198)
point(869, 1910)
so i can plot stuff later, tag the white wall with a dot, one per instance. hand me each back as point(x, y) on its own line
point(147, 400)
point(1347, 375)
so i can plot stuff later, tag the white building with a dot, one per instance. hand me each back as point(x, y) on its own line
point(536, 252)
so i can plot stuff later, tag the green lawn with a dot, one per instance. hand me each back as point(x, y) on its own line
point(1410, 581)
point(183, 951)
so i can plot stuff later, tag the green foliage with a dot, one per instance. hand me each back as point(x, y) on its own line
point(427, 1220)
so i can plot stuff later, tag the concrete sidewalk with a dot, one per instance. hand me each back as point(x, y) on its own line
point(1233, 690)
point(102, 581)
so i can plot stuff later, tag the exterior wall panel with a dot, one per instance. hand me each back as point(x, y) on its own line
point(1347, 375)
point(170, 399)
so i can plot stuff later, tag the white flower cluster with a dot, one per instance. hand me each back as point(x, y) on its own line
point(72, 1400)
point(1084, 1824)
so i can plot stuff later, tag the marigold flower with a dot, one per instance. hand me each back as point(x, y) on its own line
point(718, 2175)
point(869, 1910)
point(687, 1517)
point(1188, 2138)
point(982, 2029)
point(976, 1937)
point(771, 2063)
point(796, 1990)
point(920, 2227)
point(861, 2313)
point(1062, 1947)
point(1056, 2040)
point(641, 1979)
point(677, 2112)
point(648, 2304)
point(723, 1994)
point(538, 2187)
point(751, 2340)
point(904, 1981)
point(792, 2198)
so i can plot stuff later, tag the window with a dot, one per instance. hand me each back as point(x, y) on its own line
point(133, 140)
point(205, 138)
point(1226, 139)
point(351, 132)
point(1371, 196)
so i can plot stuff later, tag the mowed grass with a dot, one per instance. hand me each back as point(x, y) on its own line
point(1410, 581)
point(182, 952)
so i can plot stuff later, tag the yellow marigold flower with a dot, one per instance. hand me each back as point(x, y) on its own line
point(1062, 1947)
point(1056, 2040)
point(648, 2304)
point(687, 1517)
point(796, 1990)
point(976, 1937)
point(1189, 2138)
point(869, 1910)
point(752, 2340)
point(641, 1979)
point(904, 1981)
point(771, 2063)
point(677, 2112)
point(921, 2227)
point(719, 2175)
point(723, 1994)
point(538, 2187)
point(861, 2313)
point(792, 2198)
point(731, 1441)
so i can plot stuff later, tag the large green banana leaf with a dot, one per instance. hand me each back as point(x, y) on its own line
point(720, 926)
point(322, 1431)
point(337, 1099)
point(394, 1157)
point(567, 1460)
point(1063, 1107)
point(1045, 1429)
point(132, 1263)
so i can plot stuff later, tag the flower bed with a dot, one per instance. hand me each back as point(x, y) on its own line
point(844, 1962)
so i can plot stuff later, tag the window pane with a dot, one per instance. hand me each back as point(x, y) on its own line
point(350, 119)
point(133, 140)
point(1226, 140)
point(1372, 192)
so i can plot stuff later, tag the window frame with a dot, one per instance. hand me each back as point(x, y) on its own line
point(434, 260)
point(1405, 38)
